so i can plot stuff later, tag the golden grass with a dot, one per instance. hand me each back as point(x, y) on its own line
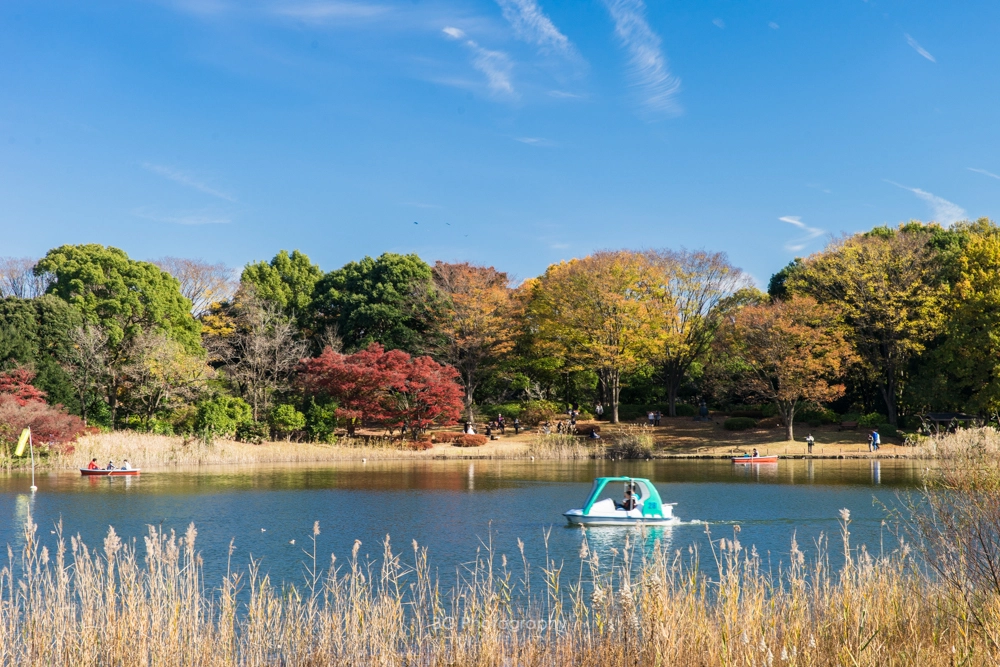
point(116, 606)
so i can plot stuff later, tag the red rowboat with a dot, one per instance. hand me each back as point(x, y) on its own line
point(755, 459)
point(86, 472)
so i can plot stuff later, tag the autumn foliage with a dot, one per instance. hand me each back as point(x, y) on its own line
point(375, 387)
point(23, 405)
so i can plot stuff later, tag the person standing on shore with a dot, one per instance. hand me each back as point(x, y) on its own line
point(810, 440)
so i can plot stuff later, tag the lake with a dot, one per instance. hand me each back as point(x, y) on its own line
point(452, 507)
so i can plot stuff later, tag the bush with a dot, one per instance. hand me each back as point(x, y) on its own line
point(252, 432)
point(419, 445)
point(887, 431)
point(48, 422)
point(508, 410)
point(871, 420)
point(286, 420)
point(183, 419)
point(161, 427)
point(468, 440)
point(747, 414)
point(739, 423)
point(221, 415)
point(817, 416)
point(683, 410)
point(321, 420)
point(536, 412)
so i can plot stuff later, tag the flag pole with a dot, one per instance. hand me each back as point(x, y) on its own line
point(31, 444)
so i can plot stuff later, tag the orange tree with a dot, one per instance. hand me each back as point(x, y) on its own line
point(477, 322)
point(598, 312)
point(792, 352)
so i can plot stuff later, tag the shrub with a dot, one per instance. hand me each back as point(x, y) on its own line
point(684, 410)
point(817, 416)
point(221, 415)
point(887, 430)
point(183, 419)
point(508, 410)
point(447, 437)
point(739, 423)
point(321, 420)
point(419, 445)
point(161, 427)
point(469, 440)
point(285, 420)
point(747, 414)
point(536, 412)
point(252, 432)
point(48, 423)
point(871, 420)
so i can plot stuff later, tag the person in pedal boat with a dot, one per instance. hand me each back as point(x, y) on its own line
point(92, 465)
point(628, 503)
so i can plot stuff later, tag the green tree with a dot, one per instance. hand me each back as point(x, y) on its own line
point(287, 281)
point(125, 298)
point(37, 333)
point(887, 283)
point(389, 300)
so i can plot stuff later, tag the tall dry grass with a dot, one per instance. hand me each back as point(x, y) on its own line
point(115, 606)
point(564, 447)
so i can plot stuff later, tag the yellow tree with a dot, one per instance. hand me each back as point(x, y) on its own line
point(886, 285)
point(696, 286)
point(598, 312)
point(792, 352)
point(476, 328)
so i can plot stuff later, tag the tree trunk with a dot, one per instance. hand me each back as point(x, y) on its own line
point(888, 390)
point(673, 388)
point(615, 392)
point(787, 413)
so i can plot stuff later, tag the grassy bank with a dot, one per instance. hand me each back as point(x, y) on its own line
point(117, 605)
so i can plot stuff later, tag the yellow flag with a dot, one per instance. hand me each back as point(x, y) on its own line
point(22, 441)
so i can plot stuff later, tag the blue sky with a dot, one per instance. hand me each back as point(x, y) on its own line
point(515, 132)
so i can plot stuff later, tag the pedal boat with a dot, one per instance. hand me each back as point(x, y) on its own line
point(649, 509)
point(746, 458)
point(86, 472)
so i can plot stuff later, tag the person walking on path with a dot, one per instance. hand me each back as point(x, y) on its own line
point(876, 440)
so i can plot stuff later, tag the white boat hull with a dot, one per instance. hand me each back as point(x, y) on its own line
point(580, 520)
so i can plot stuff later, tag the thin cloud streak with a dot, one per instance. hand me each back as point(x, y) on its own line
point(184, 178)
point(496, 66)
point(650, 70)
point(983, 171)
point(532, 25)
point(187, 219)
point(801, 243)
point(321, 12)
point(919, 49)
point(945, 212)
point(535, 141)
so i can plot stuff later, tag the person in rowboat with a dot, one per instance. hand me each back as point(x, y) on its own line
point(93, 465)
point(126, 465)
point(111, 465)
point(755, 453)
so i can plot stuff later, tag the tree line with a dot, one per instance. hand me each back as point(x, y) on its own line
point(886, 325)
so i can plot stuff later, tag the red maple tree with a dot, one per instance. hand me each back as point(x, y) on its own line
point(384, 388)
point(17, 383)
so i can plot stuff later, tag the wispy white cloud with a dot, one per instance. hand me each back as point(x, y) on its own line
point(184, 218)
point(329, 10)
point(772, 25)
point(945, 212)
point(650, 70)
point(496, 66)
point(983, 171)
point(532, 25)
point(919, 49)
point(719, 23)
point(565, 94)
point(535, 141)
point(800, 243)
point(186, 179)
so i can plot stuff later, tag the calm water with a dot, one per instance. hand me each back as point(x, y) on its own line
point(452, 506)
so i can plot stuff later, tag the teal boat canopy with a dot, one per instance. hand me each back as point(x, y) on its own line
point(643, 490)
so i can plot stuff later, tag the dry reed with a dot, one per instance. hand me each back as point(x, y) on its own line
point(628, 607)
